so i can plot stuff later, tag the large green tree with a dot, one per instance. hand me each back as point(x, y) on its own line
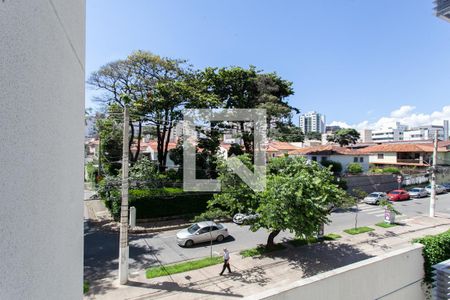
point(345, 136)
point(236, 87)
point(298, 197)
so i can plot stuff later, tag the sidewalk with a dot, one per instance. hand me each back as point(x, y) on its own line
point(254, 275)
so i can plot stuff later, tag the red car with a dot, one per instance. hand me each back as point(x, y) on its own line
point(397, 195)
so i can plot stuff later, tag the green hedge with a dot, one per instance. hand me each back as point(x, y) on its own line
point(436, 249)
point(159, 203)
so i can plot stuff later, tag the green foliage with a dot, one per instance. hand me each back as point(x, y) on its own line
point(358, 230)
point(260, 250)
point(313, 135)
point(297, 197)
point(436, 249)
point(304, 241)
point(92, 172)
point(85, 287)
point(287, 133)
point(386, 204)
point(332, 236)
point(345, 136)
point(359, 194)
point(162, 203)
point(385, 225)
point(213, 214)
point(110, 134)
point(182, 267)
point(391, 170)
point(334, 166)
point(354, 168)
point(144, 174)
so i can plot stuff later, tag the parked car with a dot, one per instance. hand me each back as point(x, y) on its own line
point(418, 192)
point(446, 185)
point(241, 219)
point(439, 189)
point(398, 195)
point(375, 197)
point(201, 232)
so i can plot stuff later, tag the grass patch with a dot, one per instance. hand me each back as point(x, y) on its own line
point(358, 230)
point(261, 249)
point(331, 237)
point(183, 267)
point(85, 287)
point(385, 225)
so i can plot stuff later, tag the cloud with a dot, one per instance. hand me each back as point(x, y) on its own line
point(403, 111)
point(406, 115)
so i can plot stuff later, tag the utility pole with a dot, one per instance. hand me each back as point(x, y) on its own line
point(433, 177)
point(123, 240)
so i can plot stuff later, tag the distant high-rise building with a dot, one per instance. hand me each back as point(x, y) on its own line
point(442, 9)
point(312, 122)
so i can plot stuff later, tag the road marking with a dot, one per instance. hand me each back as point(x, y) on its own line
point(375, 212)
point(379, 215)
point(371, 209)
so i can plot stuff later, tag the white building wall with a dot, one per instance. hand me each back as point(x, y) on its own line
point(388, 158)
point(391, 276)
point(344, 160)
point(41, 187)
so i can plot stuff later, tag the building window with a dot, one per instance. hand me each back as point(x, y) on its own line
point(380, 156)
point(361, 159)
point(355, 159)
point(314, 158)
point(324, 158)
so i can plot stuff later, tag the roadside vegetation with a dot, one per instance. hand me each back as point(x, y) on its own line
point(386, 225)
point(182, 267)
point(260, 250)
point(358, 230)
point(436, 249)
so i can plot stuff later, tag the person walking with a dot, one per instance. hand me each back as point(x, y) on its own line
point(226, 261)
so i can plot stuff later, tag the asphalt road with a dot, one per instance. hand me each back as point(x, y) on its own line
point(101, 248)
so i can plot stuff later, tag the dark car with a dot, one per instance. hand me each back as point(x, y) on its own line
point(446, 185)
point(398, 195)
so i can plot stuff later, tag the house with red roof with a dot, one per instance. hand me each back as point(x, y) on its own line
point(344, 156)
point(407, 154)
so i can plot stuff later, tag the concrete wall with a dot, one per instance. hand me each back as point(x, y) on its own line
point(392, 276)
point(41, 151)
point(372, 183)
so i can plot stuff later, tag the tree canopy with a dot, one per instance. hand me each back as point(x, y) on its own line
point(298, 196)
point(345, 136)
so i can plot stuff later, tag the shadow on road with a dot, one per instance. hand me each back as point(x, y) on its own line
point(101, 252)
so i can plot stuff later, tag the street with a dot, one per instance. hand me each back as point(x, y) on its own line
point(101, 248)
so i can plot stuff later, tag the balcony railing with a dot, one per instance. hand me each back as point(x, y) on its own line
point(409, 161)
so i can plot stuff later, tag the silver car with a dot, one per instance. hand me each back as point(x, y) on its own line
point(418, 193)
point(375, 197)
point(201, 232)
point(439, 189)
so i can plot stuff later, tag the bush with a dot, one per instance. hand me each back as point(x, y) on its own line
point(158, 203)
point(436, 249)
point(391, 170)
point(354, 168)
point(336, 167)
point(91, 171)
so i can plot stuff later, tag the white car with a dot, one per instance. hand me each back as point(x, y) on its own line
point(418, 192)
point(439, 189)
point(241, 219)
point(200, 232)
point(375, 197)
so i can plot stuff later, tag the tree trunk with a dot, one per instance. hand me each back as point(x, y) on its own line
point(272, 235)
